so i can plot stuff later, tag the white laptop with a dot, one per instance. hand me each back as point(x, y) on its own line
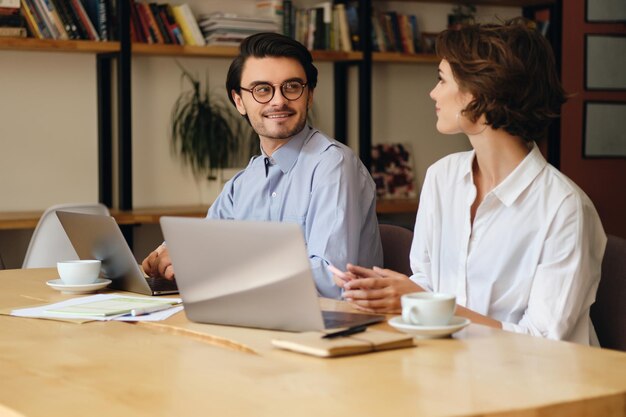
point(252, 274)
point(96, 236)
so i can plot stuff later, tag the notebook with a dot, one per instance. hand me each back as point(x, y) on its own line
point(247, 273)
point(312, 343)
point(95, 236)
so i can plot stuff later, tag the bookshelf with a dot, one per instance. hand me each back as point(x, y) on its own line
point(117, 56)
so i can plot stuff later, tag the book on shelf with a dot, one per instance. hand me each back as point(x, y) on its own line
point(230, 29)
point(68, 23)
point(38, 28)
point(87, 27)
point(12, 32)
point(170, 25)
point(352, 15)
point(288, 19)
point(188, 24)
point(270, 9)
point(344, 30)
point(153, 25)
point(10, 4)
point(395, 32)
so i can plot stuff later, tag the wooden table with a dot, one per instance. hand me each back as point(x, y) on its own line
point(178, 368)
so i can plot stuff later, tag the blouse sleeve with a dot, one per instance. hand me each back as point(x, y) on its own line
point(568, 273)
point(423, 236)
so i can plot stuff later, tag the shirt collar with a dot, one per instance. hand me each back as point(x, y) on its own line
point(287, 155)
point(521, 177)
point(466, 169)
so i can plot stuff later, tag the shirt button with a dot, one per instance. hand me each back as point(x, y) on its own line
point(274, 194)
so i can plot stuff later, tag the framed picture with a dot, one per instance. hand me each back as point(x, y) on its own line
point(604, 130)
point(605, 62)
point(605, 11)
point(392, 171)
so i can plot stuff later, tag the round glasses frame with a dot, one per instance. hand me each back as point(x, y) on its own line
point(291, 96)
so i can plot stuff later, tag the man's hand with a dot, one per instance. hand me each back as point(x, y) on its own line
point(159, 264)
point(377, 290)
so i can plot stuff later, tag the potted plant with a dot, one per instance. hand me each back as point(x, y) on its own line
point(207, 133)
point(462, 14)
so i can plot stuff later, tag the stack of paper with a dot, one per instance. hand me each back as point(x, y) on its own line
point(106, 307)
point(229, 29)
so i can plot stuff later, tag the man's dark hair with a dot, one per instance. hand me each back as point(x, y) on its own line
point(274, 45)
point(510, 71)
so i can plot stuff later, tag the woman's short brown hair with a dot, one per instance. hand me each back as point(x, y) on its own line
point(510, 71)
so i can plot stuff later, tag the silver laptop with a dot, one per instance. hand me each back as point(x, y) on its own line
point(96, 236)
point(252, 274)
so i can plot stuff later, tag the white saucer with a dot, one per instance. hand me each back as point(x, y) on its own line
point(427, 332)
point(58, 285)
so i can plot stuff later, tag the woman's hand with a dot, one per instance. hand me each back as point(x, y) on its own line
point(375, 290)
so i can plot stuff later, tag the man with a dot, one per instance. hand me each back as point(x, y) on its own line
point(302, 176)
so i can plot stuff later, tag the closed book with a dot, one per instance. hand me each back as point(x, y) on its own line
point(143, 26)
point(86, 23)
point(154, 27)
point(45, 18)
point(55, 19)
point(178, 32)
point(8, 32)
point(34, 12)
point(353, 25)
point(10, 3)
point(156, 14)
point(288, 18)
point(313, 343)
point(191, 31)
point(33, 28)
point(12, 20)
point(66, 19)
point(103, 21)
point(137, 34)
point(344, 29)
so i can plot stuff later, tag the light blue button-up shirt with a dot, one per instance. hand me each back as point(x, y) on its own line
point(320, 184)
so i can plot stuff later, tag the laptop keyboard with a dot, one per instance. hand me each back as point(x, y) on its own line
point(337, 319)
point(161, 284)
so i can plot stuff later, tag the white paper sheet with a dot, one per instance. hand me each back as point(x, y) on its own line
point(45, 310)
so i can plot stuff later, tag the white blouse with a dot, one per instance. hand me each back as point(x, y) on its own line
point(532, 257)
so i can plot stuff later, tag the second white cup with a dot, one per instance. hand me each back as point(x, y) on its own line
point(428, 308)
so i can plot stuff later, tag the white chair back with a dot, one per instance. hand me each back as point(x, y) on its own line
point(49, 243)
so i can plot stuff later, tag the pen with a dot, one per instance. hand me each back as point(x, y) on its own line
point(347, 332)
point(147, 310)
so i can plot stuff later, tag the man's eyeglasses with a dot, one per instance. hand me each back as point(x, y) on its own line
point(264, 92)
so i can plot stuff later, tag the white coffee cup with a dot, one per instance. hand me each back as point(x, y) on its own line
point(79, 272)
point(428, 308)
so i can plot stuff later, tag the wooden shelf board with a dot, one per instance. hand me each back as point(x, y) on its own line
point(503, 3)
point(150, 215)
point(227, 52)
point(49, 45)
point(334, 56)
point(398, 57)
point(396, 206)
point(190, 51)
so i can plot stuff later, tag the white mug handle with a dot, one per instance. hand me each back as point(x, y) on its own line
point(408, 315)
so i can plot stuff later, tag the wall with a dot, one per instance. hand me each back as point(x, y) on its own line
point(48, 137)
point(603, 179)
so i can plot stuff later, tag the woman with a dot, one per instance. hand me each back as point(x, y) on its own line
point(517, 242)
